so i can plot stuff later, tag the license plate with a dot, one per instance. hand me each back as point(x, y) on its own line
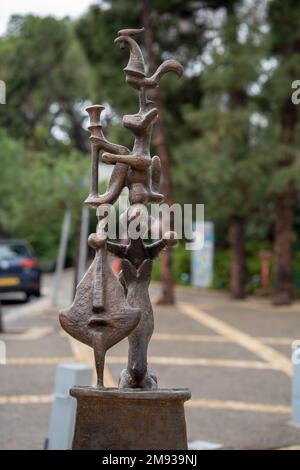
point(9, 281)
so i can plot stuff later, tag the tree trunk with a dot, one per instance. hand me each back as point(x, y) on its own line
point(284, 212)
point(237, 225)
point(160, 142)
point(283, 276)
point(238, 260)
point(238, 99)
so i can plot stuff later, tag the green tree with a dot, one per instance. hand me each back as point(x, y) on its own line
point(48, 80)
point(11, 154)
point(228, 145)
point(36, 193)
point(284, 40)
point(48, 83)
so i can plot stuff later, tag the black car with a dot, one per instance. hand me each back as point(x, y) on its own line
point(19, 271)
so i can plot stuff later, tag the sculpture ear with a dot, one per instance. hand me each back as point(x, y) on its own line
point(129, 272)
point(155, 173)
point(145, 269)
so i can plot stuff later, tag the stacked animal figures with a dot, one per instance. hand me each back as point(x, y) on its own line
point(107, 309)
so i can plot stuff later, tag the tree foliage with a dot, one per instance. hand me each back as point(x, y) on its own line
point(228, 120)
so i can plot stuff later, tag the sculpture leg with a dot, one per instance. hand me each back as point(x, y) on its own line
point(136, 375)
point(137, 356)
point(99, 353)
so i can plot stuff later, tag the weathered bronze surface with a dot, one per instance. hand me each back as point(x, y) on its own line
point(100, 315)
point(111, 419)
point(135, 169)
point(108, 308)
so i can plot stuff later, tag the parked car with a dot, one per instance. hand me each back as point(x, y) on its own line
point(19, 270)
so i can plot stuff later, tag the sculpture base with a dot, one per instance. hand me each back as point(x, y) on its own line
point(113, 419)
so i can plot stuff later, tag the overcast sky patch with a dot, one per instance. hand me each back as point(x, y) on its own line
point(57, 8)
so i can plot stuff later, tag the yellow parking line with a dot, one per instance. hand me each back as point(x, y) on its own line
point(33, 361)
point(25, 399)
point(266, 306)
point(191, 361)
point(36, 309)
point(32, 333)
point(238, 406)
point(189, 338)
point(195, 403)
point(296, 447)
point(274, 358)
point(215, 338)
point(283, 341)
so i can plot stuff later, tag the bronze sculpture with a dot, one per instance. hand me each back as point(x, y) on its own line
point(107, 309)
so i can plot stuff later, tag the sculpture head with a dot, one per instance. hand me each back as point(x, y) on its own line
point(140, 122)
point(136, 280)
point(135, 70)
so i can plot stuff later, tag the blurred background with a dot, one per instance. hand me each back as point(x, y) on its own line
point(228, 137)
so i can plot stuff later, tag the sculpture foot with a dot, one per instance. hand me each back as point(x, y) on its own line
point(98, 200)
point(156, 197)
point(149, 382)
point(99, 385)
point(92, 201)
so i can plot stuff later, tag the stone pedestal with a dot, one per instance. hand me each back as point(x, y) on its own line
point(113, 419)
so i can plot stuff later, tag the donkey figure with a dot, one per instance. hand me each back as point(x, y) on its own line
point(136, 282)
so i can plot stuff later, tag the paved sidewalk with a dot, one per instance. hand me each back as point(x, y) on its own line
point(234, 356)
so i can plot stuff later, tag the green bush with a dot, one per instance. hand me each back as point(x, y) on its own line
point(222, 262)
point(181, 266)
point(221, 275)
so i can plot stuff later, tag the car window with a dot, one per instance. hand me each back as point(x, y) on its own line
point(13, 250)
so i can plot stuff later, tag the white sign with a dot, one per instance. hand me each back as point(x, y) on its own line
point(2, 352)
point(2, 92)
point(202, 259)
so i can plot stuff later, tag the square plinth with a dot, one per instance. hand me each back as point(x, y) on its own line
point(113, 419)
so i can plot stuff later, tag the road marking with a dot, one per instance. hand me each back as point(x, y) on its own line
point(191, 361)
point(238, 406)
point(253, 303)
point(35, 332)
point(268, 307)
point(283, 341)
point(25, 399)
point(216, 338)
point(85, 355)
point(190, 338)
point(196, 403)
point(34, 309)
point(33, 361)
point(297, 447)
point(274, 358)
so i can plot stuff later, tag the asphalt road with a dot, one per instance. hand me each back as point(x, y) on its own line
point(234, 356)
point(15, 303)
